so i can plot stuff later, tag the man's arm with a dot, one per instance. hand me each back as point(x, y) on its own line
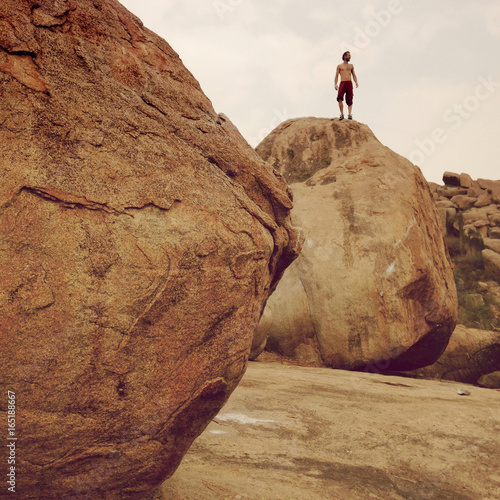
point(354, 77)
point(337, 74)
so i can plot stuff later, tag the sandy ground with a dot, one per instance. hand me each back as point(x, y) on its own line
point(298, 433)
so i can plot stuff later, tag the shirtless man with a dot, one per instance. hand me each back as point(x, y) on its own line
point(345, 70)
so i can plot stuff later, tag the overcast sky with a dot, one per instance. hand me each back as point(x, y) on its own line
point(428, 71)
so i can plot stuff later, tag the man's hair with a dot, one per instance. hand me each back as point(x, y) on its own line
point(344, 54)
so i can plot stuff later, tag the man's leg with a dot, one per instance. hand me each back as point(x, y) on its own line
point(340, 100)
point(349, 96)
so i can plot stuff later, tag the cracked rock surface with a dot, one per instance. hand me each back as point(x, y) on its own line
point(373, 287)
point(140, 236)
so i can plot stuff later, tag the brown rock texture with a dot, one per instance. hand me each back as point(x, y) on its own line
point(491, 259)
point(140, 236)
point(373, 285)
point(292, 432)
point(471, 354)
point(490, 380)
point(476, 206)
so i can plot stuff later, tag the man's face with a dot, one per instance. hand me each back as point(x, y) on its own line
point(348, 57)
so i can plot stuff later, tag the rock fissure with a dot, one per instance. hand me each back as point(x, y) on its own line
point(15, 52)
point(68, 200)
point(147, 101)
point(21, 66)
point(56, 23)
point(154, 205)
point(154, 298)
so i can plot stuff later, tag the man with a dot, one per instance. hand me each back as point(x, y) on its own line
point(345, 71)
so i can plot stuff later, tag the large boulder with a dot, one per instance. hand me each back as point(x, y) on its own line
point(471, 355)
point(373, 285)
point(140, 236)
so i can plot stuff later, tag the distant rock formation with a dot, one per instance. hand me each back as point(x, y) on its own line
point(373, 284)
point(470, 216)
point(470, 211)
point(139, 238)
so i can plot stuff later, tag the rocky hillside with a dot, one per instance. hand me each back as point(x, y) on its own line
point(373, 284)
point(140, 236)
point(470, 214)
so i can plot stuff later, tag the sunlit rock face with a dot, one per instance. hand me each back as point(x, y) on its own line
point(373, 287)
point(140, 236)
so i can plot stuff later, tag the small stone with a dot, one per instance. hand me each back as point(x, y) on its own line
point(490, 380)
point(463, 392)
point(451, 191)
point(474, 191)
point(446, 203)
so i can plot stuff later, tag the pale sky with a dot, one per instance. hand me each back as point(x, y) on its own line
point(428, 70)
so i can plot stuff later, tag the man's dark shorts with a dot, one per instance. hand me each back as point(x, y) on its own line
point(345, 88)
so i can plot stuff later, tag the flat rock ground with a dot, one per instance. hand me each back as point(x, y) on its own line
point(296, 433)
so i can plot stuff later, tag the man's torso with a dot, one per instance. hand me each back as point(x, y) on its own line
point(345, 72)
